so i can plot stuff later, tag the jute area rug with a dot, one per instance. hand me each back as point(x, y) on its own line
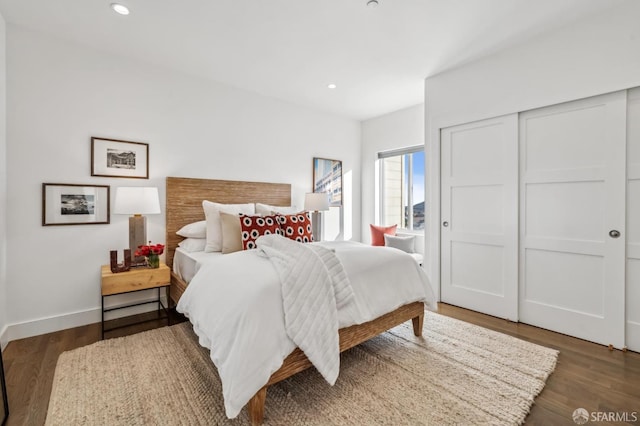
point(457, 374)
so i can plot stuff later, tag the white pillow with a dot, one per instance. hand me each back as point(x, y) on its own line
point(193, 244)
point(267, 210)
point(194, 230)
point(404, 243)
point(214, 226)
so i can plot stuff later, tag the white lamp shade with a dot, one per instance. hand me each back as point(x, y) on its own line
point(137, 200)
point(316, 201)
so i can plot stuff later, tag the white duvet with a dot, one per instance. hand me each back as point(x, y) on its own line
point(236, 308)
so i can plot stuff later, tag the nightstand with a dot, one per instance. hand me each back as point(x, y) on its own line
point(136, 279)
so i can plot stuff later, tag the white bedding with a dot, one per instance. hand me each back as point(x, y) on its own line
point(186, 264)
point(235, 305)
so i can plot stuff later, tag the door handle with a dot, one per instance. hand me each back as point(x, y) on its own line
point(614, 233)
point(445, 224)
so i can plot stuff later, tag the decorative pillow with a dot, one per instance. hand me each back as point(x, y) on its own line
point(267, 210)
point(296, 227)
point(214, 227)
point(254, 227)
point(378, 232)
point(193, 244)
point(404, 243)
point(194, 230)
point(231, 233)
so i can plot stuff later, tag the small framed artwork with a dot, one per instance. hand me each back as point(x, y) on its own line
point(115, 158)
point(327, 177)
point(69, 204)
point(4, 408)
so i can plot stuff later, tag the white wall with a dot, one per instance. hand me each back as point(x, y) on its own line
point(592, 57)
point(3, 184)
point(399, 129)
point(61, 94)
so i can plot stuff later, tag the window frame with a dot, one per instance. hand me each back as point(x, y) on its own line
point(397, 153)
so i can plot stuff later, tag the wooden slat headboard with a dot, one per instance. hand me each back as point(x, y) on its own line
point(185, 196)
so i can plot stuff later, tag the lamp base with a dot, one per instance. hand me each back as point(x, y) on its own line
point(137, 236)
point(316, 225)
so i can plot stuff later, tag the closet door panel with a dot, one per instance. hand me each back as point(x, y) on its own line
point(571, 196)
point(478, 267)
point(573, 214)
point(565, 280)
point(633, 220)
point(479, 216)
point(473, 209)
point(566, 141)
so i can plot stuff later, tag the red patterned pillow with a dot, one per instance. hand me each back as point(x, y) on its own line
point(254, 227)
point(296, 227)
point(378, 232)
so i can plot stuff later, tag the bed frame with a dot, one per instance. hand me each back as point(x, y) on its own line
point(184, 206)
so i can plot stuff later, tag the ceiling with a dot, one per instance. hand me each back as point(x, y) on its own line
point(292, 49)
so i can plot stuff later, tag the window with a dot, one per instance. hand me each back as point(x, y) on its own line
point(402, 188)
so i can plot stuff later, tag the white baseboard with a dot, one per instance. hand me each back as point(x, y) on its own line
point(62, 322)
point(50, 324)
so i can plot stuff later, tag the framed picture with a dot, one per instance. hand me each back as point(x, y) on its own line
point(69, 204)
point(327, 177)
point(115, 158)
point(4, 408)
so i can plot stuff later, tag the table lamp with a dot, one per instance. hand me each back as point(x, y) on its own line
point(137, 201)
point(316, 202)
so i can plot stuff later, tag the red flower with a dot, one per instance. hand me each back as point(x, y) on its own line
point(150, 249)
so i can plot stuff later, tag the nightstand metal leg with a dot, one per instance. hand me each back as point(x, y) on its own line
point(102, 318)
point(168, 309)
point(161, 307)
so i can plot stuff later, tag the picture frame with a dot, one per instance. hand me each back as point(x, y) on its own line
point(74, 204)
point(118, 158)
point(4, 408)
point(327, 177)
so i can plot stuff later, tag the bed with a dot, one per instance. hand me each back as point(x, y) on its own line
point(184, 205)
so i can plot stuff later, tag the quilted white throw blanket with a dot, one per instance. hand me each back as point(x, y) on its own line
point(315, 291)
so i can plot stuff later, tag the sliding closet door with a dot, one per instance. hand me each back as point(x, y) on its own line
point(572, 218)
point(633, 220)
point(479, 234)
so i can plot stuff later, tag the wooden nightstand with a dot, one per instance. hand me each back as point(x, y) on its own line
point(136, 279)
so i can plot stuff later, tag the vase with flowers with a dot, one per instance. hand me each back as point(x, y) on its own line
point(152, 253)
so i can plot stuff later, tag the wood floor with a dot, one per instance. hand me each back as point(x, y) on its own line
point(587, 375)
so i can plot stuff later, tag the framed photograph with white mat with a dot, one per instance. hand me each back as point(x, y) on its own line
point(117, 158)
point(72, 204)
point(4, 408)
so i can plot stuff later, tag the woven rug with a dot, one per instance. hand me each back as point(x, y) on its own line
point(457, 373)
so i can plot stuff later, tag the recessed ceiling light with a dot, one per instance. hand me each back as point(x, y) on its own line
point(372, 4)
point(119, 8)
point(332, 86)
